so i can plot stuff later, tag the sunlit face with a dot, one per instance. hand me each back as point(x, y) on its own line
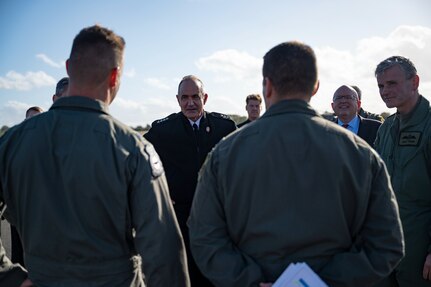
point(395, 90)
point(345, 103)
point(253, 109)
point(191, 99)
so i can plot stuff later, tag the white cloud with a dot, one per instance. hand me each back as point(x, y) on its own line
point(136, 113)
point(357, 66)
point(50, 62)
point(230, 75)
point(336, 67)
point(157, 83)
point(13, 112)
point(231, 65)
point(27, 81)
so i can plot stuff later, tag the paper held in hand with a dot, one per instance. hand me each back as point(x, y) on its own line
point(299, 275)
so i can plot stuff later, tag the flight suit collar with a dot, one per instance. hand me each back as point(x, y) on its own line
point(290, 106)
point(81, 103)
point(416, 116)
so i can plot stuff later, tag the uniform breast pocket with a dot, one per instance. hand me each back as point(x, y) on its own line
point(415, 175)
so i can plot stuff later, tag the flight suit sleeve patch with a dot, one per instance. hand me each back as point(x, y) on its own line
point(155, 162)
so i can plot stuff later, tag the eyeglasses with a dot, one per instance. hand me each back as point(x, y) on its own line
point(346, 97)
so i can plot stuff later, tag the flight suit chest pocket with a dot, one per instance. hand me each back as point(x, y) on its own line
point(409, 146)
point(414, 170)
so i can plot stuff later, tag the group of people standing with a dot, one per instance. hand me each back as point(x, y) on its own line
point(200, 202)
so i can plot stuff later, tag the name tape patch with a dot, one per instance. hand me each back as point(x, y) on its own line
point(410, 138)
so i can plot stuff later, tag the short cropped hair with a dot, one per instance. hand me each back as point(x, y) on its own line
point(358, 91)
point(405, 64)
point(291, 67)
point(35, 108)
point(255, 97)
point(95, 52)
point(192, 78)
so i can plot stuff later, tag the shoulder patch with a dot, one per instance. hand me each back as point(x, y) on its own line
point(154, 160)
point(171, 116)
point(221, 116)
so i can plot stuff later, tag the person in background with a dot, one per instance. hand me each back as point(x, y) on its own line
point(404, 143)
point(16, 245)
point(346, 105)
point(294, 187)
point(253, 107)
point(32, 111)
point(362, 112)
point(87, 194)
point(183, 141)
point(61, 88)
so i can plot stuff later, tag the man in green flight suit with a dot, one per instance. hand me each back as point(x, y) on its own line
point(404, 142)
point(87, 194)
point(294, 187)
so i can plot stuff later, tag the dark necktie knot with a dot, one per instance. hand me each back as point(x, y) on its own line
point(345, 126)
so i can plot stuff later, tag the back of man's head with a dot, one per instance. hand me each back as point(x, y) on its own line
point(61, 88)
point(292, 68)
point(95, 52)
point(358, 91)
point(32, 111)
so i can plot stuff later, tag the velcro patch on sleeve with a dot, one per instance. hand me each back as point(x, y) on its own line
point(155, 161)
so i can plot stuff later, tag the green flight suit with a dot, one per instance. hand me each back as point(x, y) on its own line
point(404, 143)
point(294, 187)
point(87, 194)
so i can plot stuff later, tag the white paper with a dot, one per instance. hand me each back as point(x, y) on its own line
point(299, 275)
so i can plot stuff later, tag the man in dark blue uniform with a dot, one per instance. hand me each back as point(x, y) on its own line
point(183, 141)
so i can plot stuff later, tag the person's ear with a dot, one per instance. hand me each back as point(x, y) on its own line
point(316, 88)
point(416, 81)
point(268, 88)
point(113, 77)
point(205, 98)
point(67, 66)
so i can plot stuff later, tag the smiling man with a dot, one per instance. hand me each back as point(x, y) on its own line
point(346, 105)
point(183, 141)
point(404, 143)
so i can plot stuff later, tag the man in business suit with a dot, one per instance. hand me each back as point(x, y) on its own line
point(346, 105)
point(183, 141)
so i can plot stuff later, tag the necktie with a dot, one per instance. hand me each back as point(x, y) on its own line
point(195, 129)
point(345, 126)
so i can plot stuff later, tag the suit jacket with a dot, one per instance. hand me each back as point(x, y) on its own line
point(182, 154)
point(367, 129)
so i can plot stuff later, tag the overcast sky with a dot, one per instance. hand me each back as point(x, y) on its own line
point(220, 41)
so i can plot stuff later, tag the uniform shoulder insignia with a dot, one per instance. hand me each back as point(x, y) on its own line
point(171, 116)
point(220, 116)
point(154, 160)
